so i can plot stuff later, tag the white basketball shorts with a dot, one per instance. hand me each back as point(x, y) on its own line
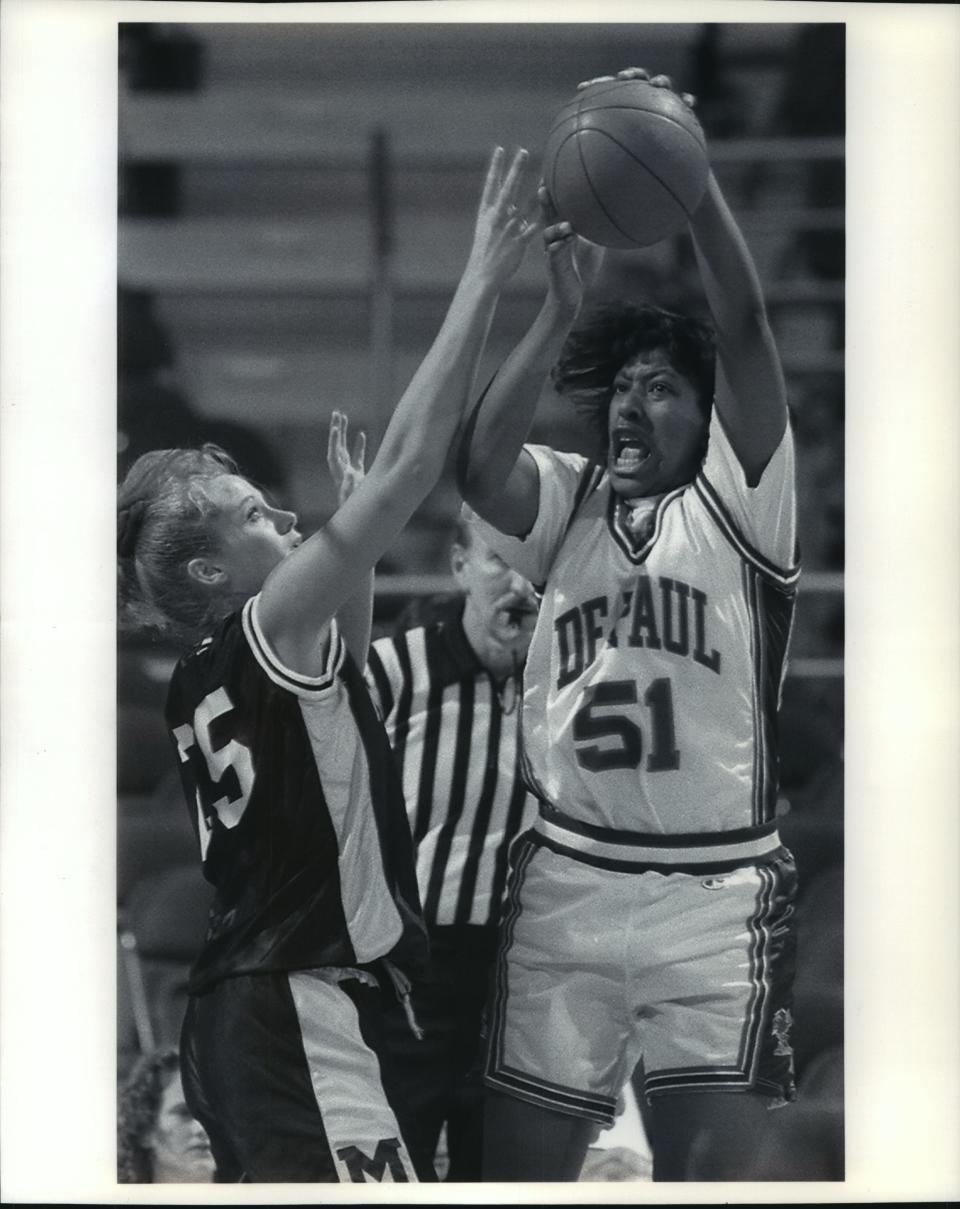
point(677, 950)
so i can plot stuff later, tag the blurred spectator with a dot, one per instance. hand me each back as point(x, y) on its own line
point(158, 1141)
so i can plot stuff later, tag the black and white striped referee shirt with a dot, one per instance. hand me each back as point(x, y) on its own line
point(457, 753)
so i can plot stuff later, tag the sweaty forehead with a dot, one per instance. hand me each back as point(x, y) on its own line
point(647, 361)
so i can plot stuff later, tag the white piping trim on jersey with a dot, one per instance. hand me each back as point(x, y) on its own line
point(785, 577)
point(764, 773)
point(680, 854)
point(528, 777)
point(591, 477)
point(294, 682)
point(757, 662)
point(622, 535)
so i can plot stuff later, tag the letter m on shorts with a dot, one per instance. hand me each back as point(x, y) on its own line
point(361, 1166)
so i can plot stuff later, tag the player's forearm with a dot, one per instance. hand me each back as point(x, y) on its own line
point(750, 393)
point(500, 422)
point(425, 420)
point(727, 271)
point(326, 573)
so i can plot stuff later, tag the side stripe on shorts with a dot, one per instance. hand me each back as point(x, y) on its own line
point(363, 1134)
point(497, 1074)
point(744, 1073)
point(524, 851)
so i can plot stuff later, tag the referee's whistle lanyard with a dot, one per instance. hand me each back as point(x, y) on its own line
point(509, 692)
point(401, 984)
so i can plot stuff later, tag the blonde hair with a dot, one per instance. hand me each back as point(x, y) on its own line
point(163, 521)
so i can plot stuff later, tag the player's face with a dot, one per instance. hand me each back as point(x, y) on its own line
point(655, 426)
point(181, 1150)
point(251, 535)
point(503, 601)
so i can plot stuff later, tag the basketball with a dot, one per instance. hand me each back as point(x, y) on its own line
point(625, 163)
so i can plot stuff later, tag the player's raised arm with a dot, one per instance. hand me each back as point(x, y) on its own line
point(312, 583)
point(750, 389)
point(497, 478)
point(751, 396)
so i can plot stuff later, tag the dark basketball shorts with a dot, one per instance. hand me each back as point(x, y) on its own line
point(288, 1074)
point(615, 948)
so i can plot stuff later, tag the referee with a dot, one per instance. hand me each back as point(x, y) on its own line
point(449, 690)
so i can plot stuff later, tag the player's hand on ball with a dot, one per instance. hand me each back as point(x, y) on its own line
point(347, 471)
point(641, 73)
point(572, 262)
point(505, 222)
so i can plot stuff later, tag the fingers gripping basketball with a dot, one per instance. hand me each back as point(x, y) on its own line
point(625, 163)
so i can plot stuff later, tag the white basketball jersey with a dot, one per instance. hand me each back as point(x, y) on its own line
point(653, 679)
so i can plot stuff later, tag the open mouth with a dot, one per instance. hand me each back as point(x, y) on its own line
point(629, 452)
point(512, 616)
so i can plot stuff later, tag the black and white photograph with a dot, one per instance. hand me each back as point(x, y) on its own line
point(494, 749)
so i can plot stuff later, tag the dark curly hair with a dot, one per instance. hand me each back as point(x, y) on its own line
point(137, 1111)
point(611, 335)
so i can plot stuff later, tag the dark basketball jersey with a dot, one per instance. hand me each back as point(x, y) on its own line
point(297, 807)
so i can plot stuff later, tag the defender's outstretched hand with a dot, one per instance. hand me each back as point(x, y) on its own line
point(504, 224)
point(347, 471)
point(641, 73)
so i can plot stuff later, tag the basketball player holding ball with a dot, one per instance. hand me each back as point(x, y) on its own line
point(650, 911)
